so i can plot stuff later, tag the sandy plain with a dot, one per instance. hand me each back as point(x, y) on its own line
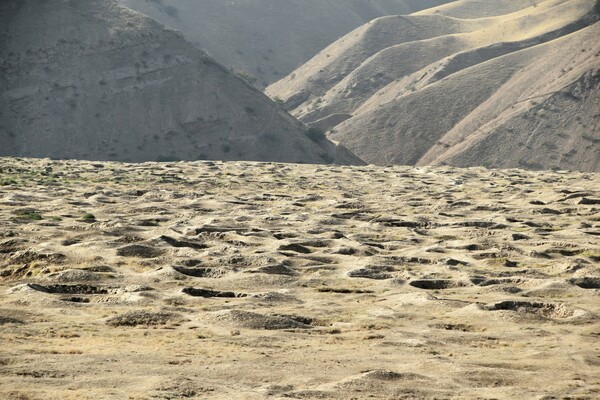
point(245, 280)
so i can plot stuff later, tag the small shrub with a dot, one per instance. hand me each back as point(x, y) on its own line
point(87, 217)
point(316, 135)
point(29, 214)
point(249, 78)
point(328, 158)
point(588, 137)
point(172, 11)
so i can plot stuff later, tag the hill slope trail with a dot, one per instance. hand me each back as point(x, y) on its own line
point(94, 80)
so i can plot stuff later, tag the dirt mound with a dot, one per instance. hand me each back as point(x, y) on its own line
point(252, 320)
point(145, 318)
point(450, 283)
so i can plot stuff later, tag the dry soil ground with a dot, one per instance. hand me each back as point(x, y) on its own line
point(244, 280)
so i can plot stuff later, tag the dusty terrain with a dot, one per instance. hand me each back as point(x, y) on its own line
point(243, 280)
point(512, 84)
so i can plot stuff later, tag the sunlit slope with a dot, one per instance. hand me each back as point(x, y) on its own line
point(346, 74)
point(344, 56)
point(415, 77)
point(480, 8)
point(534, 108)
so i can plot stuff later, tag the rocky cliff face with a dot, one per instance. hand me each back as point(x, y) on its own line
point(90, 79)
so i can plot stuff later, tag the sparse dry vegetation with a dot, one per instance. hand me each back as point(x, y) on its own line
point(217, 280)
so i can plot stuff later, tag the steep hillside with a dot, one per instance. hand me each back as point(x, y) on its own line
point(535, 108)
point(480, 8)
point(396, 103)
point(301, 89)
point(91, 79)
point(377, 55)
point(267, 39)
point(554, 123)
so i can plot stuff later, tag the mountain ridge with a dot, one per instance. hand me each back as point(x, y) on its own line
point(386, 107)
point(265, 40)
point(95, 80)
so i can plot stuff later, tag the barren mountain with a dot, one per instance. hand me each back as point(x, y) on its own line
point(480, 8)
point(265, 39)
point(514, 89)
point(94, 80)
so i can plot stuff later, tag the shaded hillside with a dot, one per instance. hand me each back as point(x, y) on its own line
point(421, 99)
point(267, 39)
point(93, 80)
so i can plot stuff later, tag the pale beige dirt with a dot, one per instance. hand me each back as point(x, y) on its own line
point(327, 282)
